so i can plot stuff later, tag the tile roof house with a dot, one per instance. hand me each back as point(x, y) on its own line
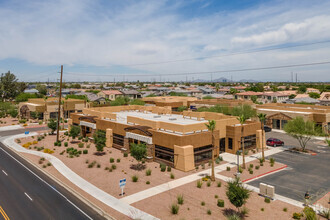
point(269, 97)
point(325, 98)
point(309, 90)
point(110, 94)
point(132, 94)
point(247, 95)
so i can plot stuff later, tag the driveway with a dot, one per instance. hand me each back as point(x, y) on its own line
point(304, 172)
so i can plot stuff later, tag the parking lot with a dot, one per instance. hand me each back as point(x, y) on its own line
point(304, 172)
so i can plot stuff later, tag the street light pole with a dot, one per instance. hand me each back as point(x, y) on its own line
point(238, 173)
point(59, 108)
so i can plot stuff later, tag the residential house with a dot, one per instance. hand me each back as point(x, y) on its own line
point(110, 94)
point(279, 97)
point(132, 94)
point(309, 90)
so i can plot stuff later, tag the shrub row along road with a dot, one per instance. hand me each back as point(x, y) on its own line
point(27, 193)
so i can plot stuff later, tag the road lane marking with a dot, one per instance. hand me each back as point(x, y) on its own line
point(42, 180)
point(28, 196)
point(5, 172)
point(3, 213)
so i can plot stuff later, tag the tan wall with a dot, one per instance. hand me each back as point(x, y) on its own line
point(109, 137)
point(184, 158)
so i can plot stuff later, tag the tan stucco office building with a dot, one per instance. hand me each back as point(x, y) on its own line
point(179, 140)
point(48, 108)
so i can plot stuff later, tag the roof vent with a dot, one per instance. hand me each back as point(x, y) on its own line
point(157, 116)
point(172, 119)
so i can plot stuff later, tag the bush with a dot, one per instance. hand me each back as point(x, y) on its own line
point(66, 144)
point(39, 138)
point(267, 200)
point(148, 172)
point(244, 211)
point(118, 160)
point(48, 151)
point(325, 213)
point(174, 209)
point(180, 199)
point(262, 209)
point(251, 171)
point(257, 167)
point(135, 178)
point(49, 164)
point(228, 168)
point(297, 215)
point(86, 161)
point(98, 165)
point(221, 203)
point(169, 169)
point(85, 151)
point(202, 203)
point(261, 164)
point(209, 212)
point(172, 176)
point(162, 168)
point(148, 182)
point(309, 213)
point(251, 165)
point(112, 160)
point(240, 169)
point(199, 184)
point(216, 196)
point(285, 209)
point(233, 217)
point(81, 145)
point(113, 166)
point(208, 183)
point(271, 160)
point(125, 154)
point(219, 184)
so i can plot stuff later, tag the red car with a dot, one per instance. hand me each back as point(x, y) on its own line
point(274, 142)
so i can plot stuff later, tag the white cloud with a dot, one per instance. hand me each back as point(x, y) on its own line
point(90, 34)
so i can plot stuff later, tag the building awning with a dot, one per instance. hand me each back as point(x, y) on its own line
point(144, 129)
point(139, 137)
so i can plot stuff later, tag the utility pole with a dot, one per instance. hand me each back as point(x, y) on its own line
point(59, 108)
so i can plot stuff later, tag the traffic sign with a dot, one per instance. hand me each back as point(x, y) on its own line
point(122, 184)
point(27, 132)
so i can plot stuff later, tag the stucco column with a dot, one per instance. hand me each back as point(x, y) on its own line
point(184, 158)
point(109, 137)
point(151, 151)
point(259, 139)
point(69, 124)
point(126, 144)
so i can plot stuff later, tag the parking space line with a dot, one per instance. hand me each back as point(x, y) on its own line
point(3, 213)
point(28, 196)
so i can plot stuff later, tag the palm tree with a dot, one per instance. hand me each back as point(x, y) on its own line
point(45, 112)
point(211, 127)
point(262, 119)
point(242, 120)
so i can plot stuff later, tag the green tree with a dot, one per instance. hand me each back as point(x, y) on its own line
point(245, 110)
point(13, 113)
point(52, 124)
point(182, 108)
point(262, 119)
point(74, 131)
point(120, 101)
point(217, 87)
point(42, 89)
point(233, 91)
point(138, 151)
point(73, 96)
point(314, 95)
point(236, 193)
point(23, 97)
point(292, 96)
point(242, 120)
point(302, 89)
point(99, 140)
point(254, 98)
point(137, 102)
point(208, 97)
point(301, 130)
point(211, 127)
point(8, 86)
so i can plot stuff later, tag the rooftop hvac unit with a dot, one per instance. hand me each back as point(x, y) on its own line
point(172, 119)
point(157, 116)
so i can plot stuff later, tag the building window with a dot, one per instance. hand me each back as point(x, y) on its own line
point(250, 141)
point(222, 144)
point(230, 143)
point(118, 139)
point(203, 154)
point(164, 153)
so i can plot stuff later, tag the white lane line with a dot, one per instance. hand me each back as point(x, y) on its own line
point(5, 172)
point(42, 180)
point(28, 196)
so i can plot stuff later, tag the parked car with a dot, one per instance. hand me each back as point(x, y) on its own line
point(274, 142)
point(267, 128)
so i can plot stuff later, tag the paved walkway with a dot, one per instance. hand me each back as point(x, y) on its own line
point(11, 127)
point(97, 193)
point(231, 158)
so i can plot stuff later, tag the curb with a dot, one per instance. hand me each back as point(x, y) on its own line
point(260, 175)
point(321, 198)
point(64, 185)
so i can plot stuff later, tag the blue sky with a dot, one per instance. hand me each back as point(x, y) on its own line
point(133, 40)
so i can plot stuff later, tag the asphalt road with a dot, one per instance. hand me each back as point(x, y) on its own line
point(26, 193)
point(304, 172)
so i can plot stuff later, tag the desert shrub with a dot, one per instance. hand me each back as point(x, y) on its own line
point(49, 164)
point(174, 209)
point(216, 196)
point(180, 199)
point(240, 169)
point(118, 160)
point(169, 169)
point(80, 137)
point(88, 146)
point(208, 183)
point(172, 176)
point(110, 169)
point(309, 213)
point(233, 217)
point(261, 164)
point(267, 200)
point(66, 144)
point(257, 167)
point(196, 167)
point(297, 215)
point(199, 184)
point(271, 160)
point(81, 145)
point(44, 166)
point(39, 138)
point(221, 203)
point(98, 165)
point(285, 209)
point(112, 160)
point(228, 168)
point(135, 178)
point(209, 212)
point(262, 209)
point(48, 151)
point(148, 172)
point(251, 171)
point(202, 203)
point(219, 184)
point(251, 165)
point(86, 161)
point(325, 213)
point(148, 182)
point(162, 168)
point(125, 154)
point(113, 166)
point(85, 151)
point(244, 211)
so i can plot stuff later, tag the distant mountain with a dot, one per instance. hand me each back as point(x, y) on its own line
point(248, 80)
point(221, 79)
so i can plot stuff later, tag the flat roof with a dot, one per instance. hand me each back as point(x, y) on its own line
point(122, 117)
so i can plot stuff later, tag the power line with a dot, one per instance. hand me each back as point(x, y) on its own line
point(210, 72)
point(258, 50)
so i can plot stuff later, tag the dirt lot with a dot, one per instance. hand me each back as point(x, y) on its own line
point(8, 121)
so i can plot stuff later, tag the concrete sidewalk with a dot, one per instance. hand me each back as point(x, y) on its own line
point(10, 127)
point(97, 193)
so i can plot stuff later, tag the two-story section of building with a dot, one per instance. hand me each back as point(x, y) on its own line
point(179, 140)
